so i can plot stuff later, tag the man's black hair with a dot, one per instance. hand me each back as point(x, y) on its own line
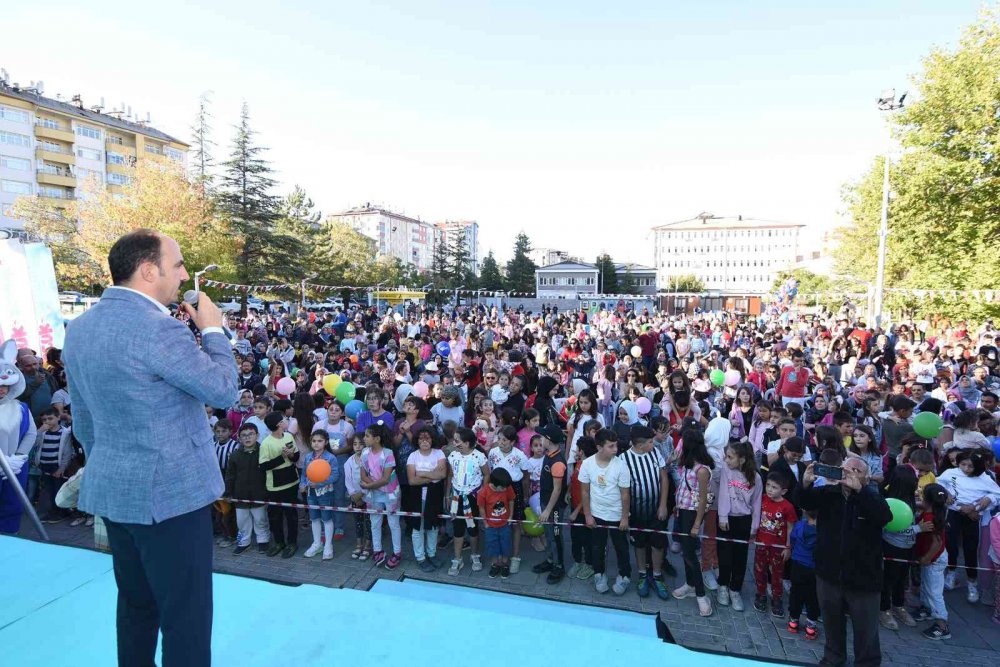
point(130, 251)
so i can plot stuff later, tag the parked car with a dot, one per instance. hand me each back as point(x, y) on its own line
point(232, 305)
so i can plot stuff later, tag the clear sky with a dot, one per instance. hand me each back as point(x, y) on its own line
point(583, 123)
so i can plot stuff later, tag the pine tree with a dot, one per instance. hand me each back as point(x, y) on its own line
point(202, 154)
point(628, 284)
point(298, 220)
point(245, 198)
point(607, 278)
point(521, 268)
point(490, 278)
point(441, 274)
point(458, 260)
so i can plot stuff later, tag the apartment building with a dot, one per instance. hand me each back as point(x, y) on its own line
point(733, 255)
point(409, 239)
point(448, 230)
point(51, 148)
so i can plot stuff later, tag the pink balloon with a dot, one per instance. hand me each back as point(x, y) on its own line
point(420, 389)
point(285, 386)
point(732, 378)
point(643, 405)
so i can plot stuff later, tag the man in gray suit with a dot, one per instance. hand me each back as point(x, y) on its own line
point(139, 384)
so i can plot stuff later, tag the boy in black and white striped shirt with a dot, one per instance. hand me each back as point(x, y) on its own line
point(53, 454)
point(648, 500)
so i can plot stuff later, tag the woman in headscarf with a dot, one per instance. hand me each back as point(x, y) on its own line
point(626, 417)
point(968, 391)
point(716, 438)
point(544, 403)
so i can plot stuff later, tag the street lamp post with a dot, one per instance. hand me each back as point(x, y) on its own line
point(303, 285)
point(887, 102)
point(199, 274)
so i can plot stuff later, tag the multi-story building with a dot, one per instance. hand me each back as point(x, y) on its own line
point(566, 280)
point(51, 148)
point(445, 232)
point(643, 277)
point(547, 256)
point(408, 239)
point(734, 255)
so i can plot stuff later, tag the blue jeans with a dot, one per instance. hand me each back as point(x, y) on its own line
point(932, 587)
point(325, 499)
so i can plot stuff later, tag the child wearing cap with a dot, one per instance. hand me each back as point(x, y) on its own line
point(552, 481)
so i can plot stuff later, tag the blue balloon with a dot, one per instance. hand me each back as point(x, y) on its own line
point(264, 363)
point(354, 408)
point(444, 348)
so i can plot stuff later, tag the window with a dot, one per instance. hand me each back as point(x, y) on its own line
point(15, 163)
point(88, 154)
point(87, 174)
point(115, 158)
point(15, 139)
point(118, 179)
point(118, 141)
point(173, 153)
point(49, 191)
point(16, 115)
point(15, 187)
point(51, 147)
point(50, 123)
point(572, 281)
point(152, 148)
point(87, 131)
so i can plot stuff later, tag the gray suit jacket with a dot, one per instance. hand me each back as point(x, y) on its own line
point(139, 385)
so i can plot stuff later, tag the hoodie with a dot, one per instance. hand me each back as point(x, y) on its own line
point(716, 439)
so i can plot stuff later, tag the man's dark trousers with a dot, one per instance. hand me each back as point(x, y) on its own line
point(834, 602)
point(164, 576)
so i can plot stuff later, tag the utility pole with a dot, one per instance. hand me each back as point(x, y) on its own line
point(887, 102)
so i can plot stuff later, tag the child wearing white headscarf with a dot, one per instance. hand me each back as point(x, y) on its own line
point(716, 439)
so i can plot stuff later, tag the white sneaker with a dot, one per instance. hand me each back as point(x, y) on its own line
point(601, 583)
point(973, 595)
point(89, 522)
point(328, 551)
point(949, 579)
point(675, 547)
point(77, 521)
point(313, 550)
point(722, 597)
point(477, 563)
point(736, 600)
point(621, 585)
point(711, 583)
point(704, 606)
point(456, 567)
point(515, 564)
point(684, 591)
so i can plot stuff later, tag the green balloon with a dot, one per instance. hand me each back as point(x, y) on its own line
point(718, 377)
point(902, 516)
point(345, 392)
point(531, 525)
point(927, 425)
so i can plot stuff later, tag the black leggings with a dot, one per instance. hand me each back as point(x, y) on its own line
point(803, 592)
point(894, 576)
point(599, 546)
point(580, 541)
point(689, 548)
point(733, 555)
point(284, 520)
point(961, 529)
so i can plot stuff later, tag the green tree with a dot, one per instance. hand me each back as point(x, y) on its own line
point(943, 215)
point(458, 260)
point(252, 210)
point(684, 283)
point(441, 274)
point(490, 277)
point(521, 268)
point(297, 219)
point(201, 154)
point(628, 283)
point(607, 277)
point(344, 256)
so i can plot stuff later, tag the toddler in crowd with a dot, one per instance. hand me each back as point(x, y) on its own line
point(803, 593)
point(777, 519)
point(496, 501)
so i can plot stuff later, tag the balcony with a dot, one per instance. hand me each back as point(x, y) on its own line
point(58, 201)
point(58, 133)
point(123, 147)
point(56, 176)
point(51, 153)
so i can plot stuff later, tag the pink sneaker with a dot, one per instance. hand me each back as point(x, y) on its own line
point(378, 557)
point(393, 561)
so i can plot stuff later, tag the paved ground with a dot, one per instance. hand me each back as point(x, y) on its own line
point(976, 641)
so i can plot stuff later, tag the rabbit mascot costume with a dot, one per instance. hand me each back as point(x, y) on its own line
point(17, 435)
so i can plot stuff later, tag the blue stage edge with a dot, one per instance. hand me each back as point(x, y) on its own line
point(57, 606)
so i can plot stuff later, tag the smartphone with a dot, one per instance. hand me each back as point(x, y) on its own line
point(828, 471)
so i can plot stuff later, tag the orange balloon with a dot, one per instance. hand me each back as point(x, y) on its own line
point(318, 471)
point(354, 358)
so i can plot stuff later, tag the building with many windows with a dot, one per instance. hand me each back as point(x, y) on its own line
point(447, 231)
point(410, 240)
point(643, 278)
point(51, 148)
point(730, 255)
point(566, 280)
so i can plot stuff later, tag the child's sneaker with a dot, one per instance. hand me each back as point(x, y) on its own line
point(644, 585)
point(89, 522)
point(736, 600)
point(811, 630)
point(456, 567)
point(393, 561)
point(950, 580)
point(660, 588)
point(704, 606)
point(494, 571)
point(77, 521)
point(585, 572)
point(378, 557)
point(722, 596)
point(973, 594)
point(314, 549)
point(504, 571)
point(936, 632)
point(572, 572)
point(601, 583)
point(425, 565)
point(777, 609)
point(225, 543)
point(711, 582)
point(262, 547)
point(887, 621)
point(556, 575)
point(793, 626)
point(904, 617)
point(760, 603)
point(621, 585)
point(685, 591)
point(477, 563)
point(921, 614)
point(240, 549)
point(515, 564)
point(328, 551)
point(276, 548)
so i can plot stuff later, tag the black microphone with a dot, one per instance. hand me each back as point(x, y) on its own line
point(191, 298)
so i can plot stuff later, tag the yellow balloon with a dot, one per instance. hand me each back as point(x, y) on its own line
point(330, 383)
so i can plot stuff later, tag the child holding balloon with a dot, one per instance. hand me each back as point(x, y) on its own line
point(320, 472)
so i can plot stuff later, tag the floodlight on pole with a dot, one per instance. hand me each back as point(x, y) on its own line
point(886, 102)
point(199, 274)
